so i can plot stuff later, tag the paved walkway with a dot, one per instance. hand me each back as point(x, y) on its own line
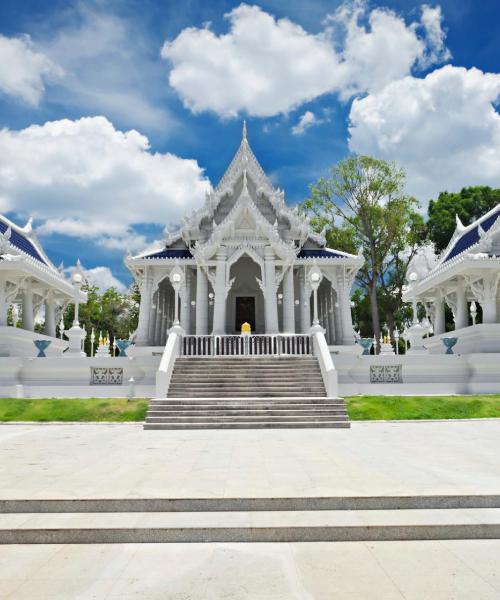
point(447, 570)
point(119, 461)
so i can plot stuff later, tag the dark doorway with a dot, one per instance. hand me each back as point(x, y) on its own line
point(245, 312)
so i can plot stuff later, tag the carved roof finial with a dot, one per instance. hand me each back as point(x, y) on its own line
point(244, 130)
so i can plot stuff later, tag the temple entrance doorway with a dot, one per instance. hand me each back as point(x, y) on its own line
point(245, 312)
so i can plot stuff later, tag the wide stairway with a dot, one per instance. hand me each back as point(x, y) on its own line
point(246, 393)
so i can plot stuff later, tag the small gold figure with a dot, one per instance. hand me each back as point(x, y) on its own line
point(246, 328)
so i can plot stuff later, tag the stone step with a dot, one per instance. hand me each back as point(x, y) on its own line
point(241, 394)
point(256, 387)
point(250, 526)
point(270, 503)
point(247, 359)
point(250, 401)
point(264, 424)
point(288, 418)
point(243, 411)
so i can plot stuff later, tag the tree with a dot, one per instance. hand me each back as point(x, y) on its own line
point(366, 195)
point(469, 204)
point(111, 312)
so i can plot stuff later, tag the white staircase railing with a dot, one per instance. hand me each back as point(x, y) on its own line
point(246, 345)
point(166, 368)
point(328, 371)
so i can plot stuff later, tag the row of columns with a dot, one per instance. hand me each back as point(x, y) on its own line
point(457, 300)
point(27, 307)
point(336, 318)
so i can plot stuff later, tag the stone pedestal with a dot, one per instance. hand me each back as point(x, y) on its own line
point(75, 335)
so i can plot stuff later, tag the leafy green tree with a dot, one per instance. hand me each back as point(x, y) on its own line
point(469, 204)
point(365, 196)
point(111, 312)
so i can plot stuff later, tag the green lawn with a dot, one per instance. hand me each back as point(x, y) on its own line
point(72, 409)
point(365, 408)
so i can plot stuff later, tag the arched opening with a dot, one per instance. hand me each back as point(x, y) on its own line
point(245, 301)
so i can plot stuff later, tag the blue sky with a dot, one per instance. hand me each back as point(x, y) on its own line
point(117, 116)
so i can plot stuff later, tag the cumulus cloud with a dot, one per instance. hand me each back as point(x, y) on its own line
point(266, 66)
point(444, 128)
point(102, 277)
point(23, 70)
point(308, 119)
point(88, 179)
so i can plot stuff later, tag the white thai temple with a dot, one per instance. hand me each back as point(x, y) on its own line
point(30, 285)
point(245, 257)
point(465, 276)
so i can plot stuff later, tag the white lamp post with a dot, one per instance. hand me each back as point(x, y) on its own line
point(76, 334)
point(315, 277)
point(176, 279)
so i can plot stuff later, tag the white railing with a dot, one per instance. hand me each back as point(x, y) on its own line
point(166, 368)
point(246, 345)
point(328, 371)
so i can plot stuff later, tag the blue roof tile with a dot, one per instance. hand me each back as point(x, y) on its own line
point(171, 253)
point(471, 237)
point(319, 253)
point(21, 242)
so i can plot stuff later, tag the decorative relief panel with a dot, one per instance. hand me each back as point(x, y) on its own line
point(106, 375)
point(386, 374)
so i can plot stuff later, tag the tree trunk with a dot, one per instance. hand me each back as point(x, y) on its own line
point(375, 315)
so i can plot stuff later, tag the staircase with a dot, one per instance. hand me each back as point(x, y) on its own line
point(246, 393)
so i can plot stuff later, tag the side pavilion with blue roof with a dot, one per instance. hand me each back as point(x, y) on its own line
point(466, 272)
point(245, 256)
point(30, 284)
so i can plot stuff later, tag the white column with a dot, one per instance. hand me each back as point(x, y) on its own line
point(158, 318)
point(271, 305)
point(331, 320)
point(219, 327)
point(28, 317)
point(288, 302)
point(462, 316)
point(186, 303)
point(164, 318)
point(4, 305)
point(439, 324)
point(489, 304)
point(345, 314)
point(305, 296)
point(201, 302)
point(152, 318)
point(50, 317)
point(142, 335)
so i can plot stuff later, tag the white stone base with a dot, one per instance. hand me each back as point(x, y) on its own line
point(484, 337)
point(15, 341)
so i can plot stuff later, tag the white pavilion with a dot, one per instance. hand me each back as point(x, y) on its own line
point(465, 275)
point(29, 284)
point(245, 257)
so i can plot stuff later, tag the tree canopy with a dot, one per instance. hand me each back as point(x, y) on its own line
point(469, 204)
point(362, 207)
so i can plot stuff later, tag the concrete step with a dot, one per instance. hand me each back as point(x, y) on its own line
point(241, 394)
point(195, 418)
point(243, 410)
point(270, 503)
point(250, 526)
point(264, 424)
point(250, 401)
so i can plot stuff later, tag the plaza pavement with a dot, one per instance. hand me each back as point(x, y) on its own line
point(123, 461)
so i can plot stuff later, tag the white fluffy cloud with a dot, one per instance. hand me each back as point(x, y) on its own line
point(443, 128)
point(23, 70)
point(87, 179)
point(99, 276)
point(266, 66)
point(308, 119)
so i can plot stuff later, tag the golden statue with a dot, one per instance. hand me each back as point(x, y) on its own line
point(246, 328)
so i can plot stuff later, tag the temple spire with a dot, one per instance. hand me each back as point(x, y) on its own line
point(244, 130)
